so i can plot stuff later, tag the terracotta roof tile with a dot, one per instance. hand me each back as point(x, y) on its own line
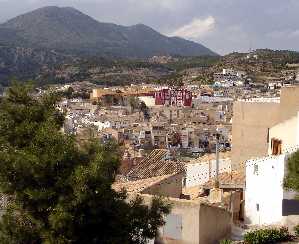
point(155, 165)
point(139, 185)
point(226, 180)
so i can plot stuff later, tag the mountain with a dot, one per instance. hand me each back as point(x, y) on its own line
point(23, 63)
point(70, 31)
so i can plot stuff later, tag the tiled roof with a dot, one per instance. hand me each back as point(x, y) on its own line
point(194, 192)
point(210, 156)
point(227, 180)
point(139, 185)
point(155, 165)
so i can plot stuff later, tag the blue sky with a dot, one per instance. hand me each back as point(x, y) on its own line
point(222, 25)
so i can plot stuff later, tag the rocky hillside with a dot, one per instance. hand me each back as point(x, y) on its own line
point(26, 63)
point(69, 30)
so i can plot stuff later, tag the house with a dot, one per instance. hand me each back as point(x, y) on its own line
point(228, 181)
point(164, 185)
point(253, 119)
point(173, 97)
point(199, 171)
point(229, 192)
point(190, 221)
point(115, 134)
point(159, 135)
point(266, 200)
point(195, 222)
point(145, 138)
point(155, 164)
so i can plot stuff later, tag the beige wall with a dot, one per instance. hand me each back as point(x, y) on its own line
point(289, 102)
point(252, 120)
point(215, 224)
point(287, 132)
point(200, 222)
point(189, 212)
point(170, 187)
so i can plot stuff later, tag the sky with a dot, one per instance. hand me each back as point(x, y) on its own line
point(222, 25)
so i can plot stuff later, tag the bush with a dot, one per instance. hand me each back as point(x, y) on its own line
point(226, 242)
point(296, 229)
point(265, 236)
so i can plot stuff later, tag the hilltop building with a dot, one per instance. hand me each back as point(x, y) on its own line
point(229, 78)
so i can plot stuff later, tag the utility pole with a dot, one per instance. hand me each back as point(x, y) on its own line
point(217, 162)
point(216, 194)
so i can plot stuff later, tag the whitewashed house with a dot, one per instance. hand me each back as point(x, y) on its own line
point(266, 200)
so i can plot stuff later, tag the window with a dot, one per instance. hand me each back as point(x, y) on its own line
point(257, 207)
point(256, 169)
point(276, 146)
point(184, 182)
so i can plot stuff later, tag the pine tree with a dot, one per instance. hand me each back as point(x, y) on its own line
point(60, 192)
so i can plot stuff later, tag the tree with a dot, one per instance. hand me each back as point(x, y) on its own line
point(60, 192)
point(144, 109)
point(69, 92)
point(292, 179)
point(108, 100)
point(133, 102)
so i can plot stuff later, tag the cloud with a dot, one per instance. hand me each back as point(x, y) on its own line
point(196, 29)
point(154, 4)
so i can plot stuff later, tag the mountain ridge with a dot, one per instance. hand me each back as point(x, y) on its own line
point(69, 30)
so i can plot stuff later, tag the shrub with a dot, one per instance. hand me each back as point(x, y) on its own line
point(226, 242)
point(296, 229)
point(265, 236)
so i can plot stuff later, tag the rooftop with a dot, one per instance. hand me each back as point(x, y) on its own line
point(210, 156)
point(262, 100)
point(234, 179)
point(139, 185)
point(155, 165)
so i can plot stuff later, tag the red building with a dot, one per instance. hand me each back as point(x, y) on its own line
point(174, 97)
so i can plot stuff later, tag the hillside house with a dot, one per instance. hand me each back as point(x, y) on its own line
point(252, 121)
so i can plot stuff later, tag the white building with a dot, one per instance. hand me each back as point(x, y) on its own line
point(229, 78)
point(149, 101)
point(287, 132)
point(200, 171)
point(266, 200)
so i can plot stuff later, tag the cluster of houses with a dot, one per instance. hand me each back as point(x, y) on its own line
point(229, 78)
point(219, 160)
point(213, 192)
point(184, 128)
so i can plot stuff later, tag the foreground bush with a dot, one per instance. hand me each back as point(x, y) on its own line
point(296, 229)
point(226, 242)
point(265, 236)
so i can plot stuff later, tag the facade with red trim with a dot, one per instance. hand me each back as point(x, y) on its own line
point(173, 97)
